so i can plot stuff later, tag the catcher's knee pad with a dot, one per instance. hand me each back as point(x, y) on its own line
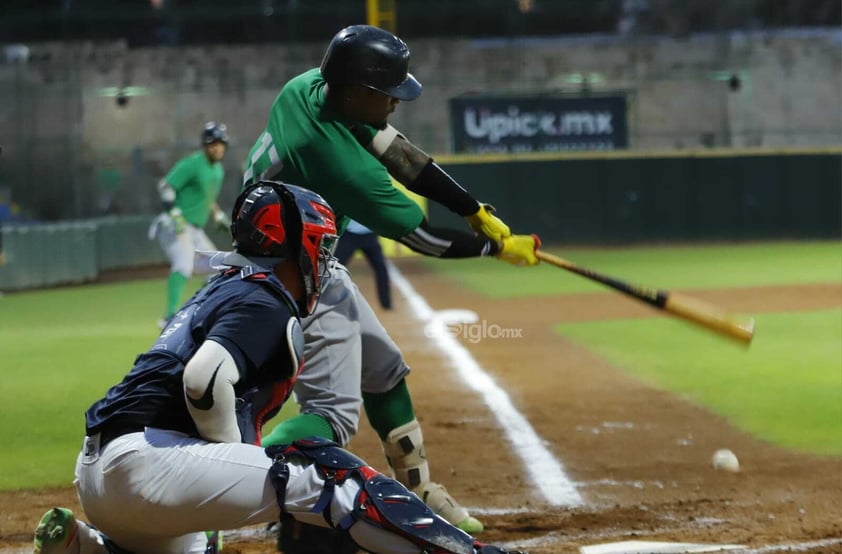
point(333, 464)
point(381, 501)
point(385, 503)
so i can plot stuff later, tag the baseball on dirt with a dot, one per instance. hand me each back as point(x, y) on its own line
point(726, 460)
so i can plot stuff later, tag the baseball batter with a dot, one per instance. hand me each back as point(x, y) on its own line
point(188, 195)
point(173, 449)
point(328, 131)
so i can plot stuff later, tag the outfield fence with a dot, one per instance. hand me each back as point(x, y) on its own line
point(567, 199)
point(71, 252)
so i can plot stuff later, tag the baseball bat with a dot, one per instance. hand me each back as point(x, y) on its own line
point(692, 309)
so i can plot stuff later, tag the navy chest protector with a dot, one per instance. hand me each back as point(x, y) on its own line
point(262, 402)
point(189, 327)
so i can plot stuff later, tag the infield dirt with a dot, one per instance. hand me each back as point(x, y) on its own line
point(640, 457)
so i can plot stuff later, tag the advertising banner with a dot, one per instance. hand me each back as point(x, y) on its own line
point(501, 124)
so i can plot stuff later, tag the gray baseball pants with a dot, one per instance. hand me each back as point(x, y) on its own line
point(157, 491)
point(347, 350)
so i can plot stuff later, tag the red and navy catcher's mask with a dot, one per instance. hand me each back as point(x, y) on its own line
point(273, 222)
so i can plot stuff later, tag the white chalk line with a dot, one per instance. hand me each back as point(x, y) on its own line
point(545, 470)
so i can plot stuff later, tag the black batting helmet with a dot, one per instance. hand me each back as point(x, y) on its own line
point(272, 222)
point(214, 132)
point(369, 56)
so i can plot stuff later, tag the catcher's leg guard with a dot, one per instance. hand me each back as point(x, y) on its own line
point(381, 502)
point(385, 503)
point(404, 449)
point(300, 538)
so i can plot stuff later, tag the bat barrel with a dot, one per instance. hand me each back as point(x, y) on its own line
point(714, 318)
point(696, 311)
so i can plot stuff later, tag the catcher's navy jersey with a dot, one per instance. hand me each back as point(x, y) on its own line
point(247, 313)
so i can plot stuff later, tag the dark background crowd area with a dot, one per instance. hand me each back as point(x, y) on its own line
point(184, 22)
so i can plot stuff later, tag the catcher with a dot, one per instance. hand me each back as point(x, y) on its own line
point(173, 449)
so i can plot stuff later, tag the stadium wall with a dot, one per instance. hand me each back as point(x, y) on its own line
point(70, 149)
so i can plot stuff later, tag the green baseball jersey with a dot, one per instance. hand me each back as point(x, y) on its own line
point(197, 183)
point(306, 144)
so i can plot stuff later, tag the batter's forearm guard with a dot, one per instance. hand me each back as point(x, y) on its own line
point(434, 183)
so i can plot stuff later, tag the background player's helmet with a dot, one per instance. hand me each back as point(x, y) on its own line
point(369, 56)
point(214, 132)
point(274, 221)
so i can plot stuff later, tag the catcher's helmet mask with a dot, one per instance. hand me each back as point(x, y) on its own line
point(371, 57)
point(273, 222)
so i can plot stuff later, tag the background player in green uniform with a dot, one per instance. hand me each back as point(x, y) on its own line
point(328, 131)
point(189, 195)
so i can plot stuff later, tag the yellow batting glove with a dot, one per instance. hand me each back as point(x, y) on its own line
point(484, 222)
point(520, 250)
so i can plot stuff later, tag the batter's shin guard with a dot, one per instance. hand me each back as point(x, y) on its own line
point(404, 449)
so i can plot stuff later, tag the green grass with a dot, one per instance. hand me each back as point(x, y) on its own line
point(786, 388)
point(61, 350)
point(688, 267)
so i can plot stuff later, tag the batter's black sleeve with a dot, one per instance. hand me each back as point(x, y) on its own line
point(448, 243)
point(434, 183)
